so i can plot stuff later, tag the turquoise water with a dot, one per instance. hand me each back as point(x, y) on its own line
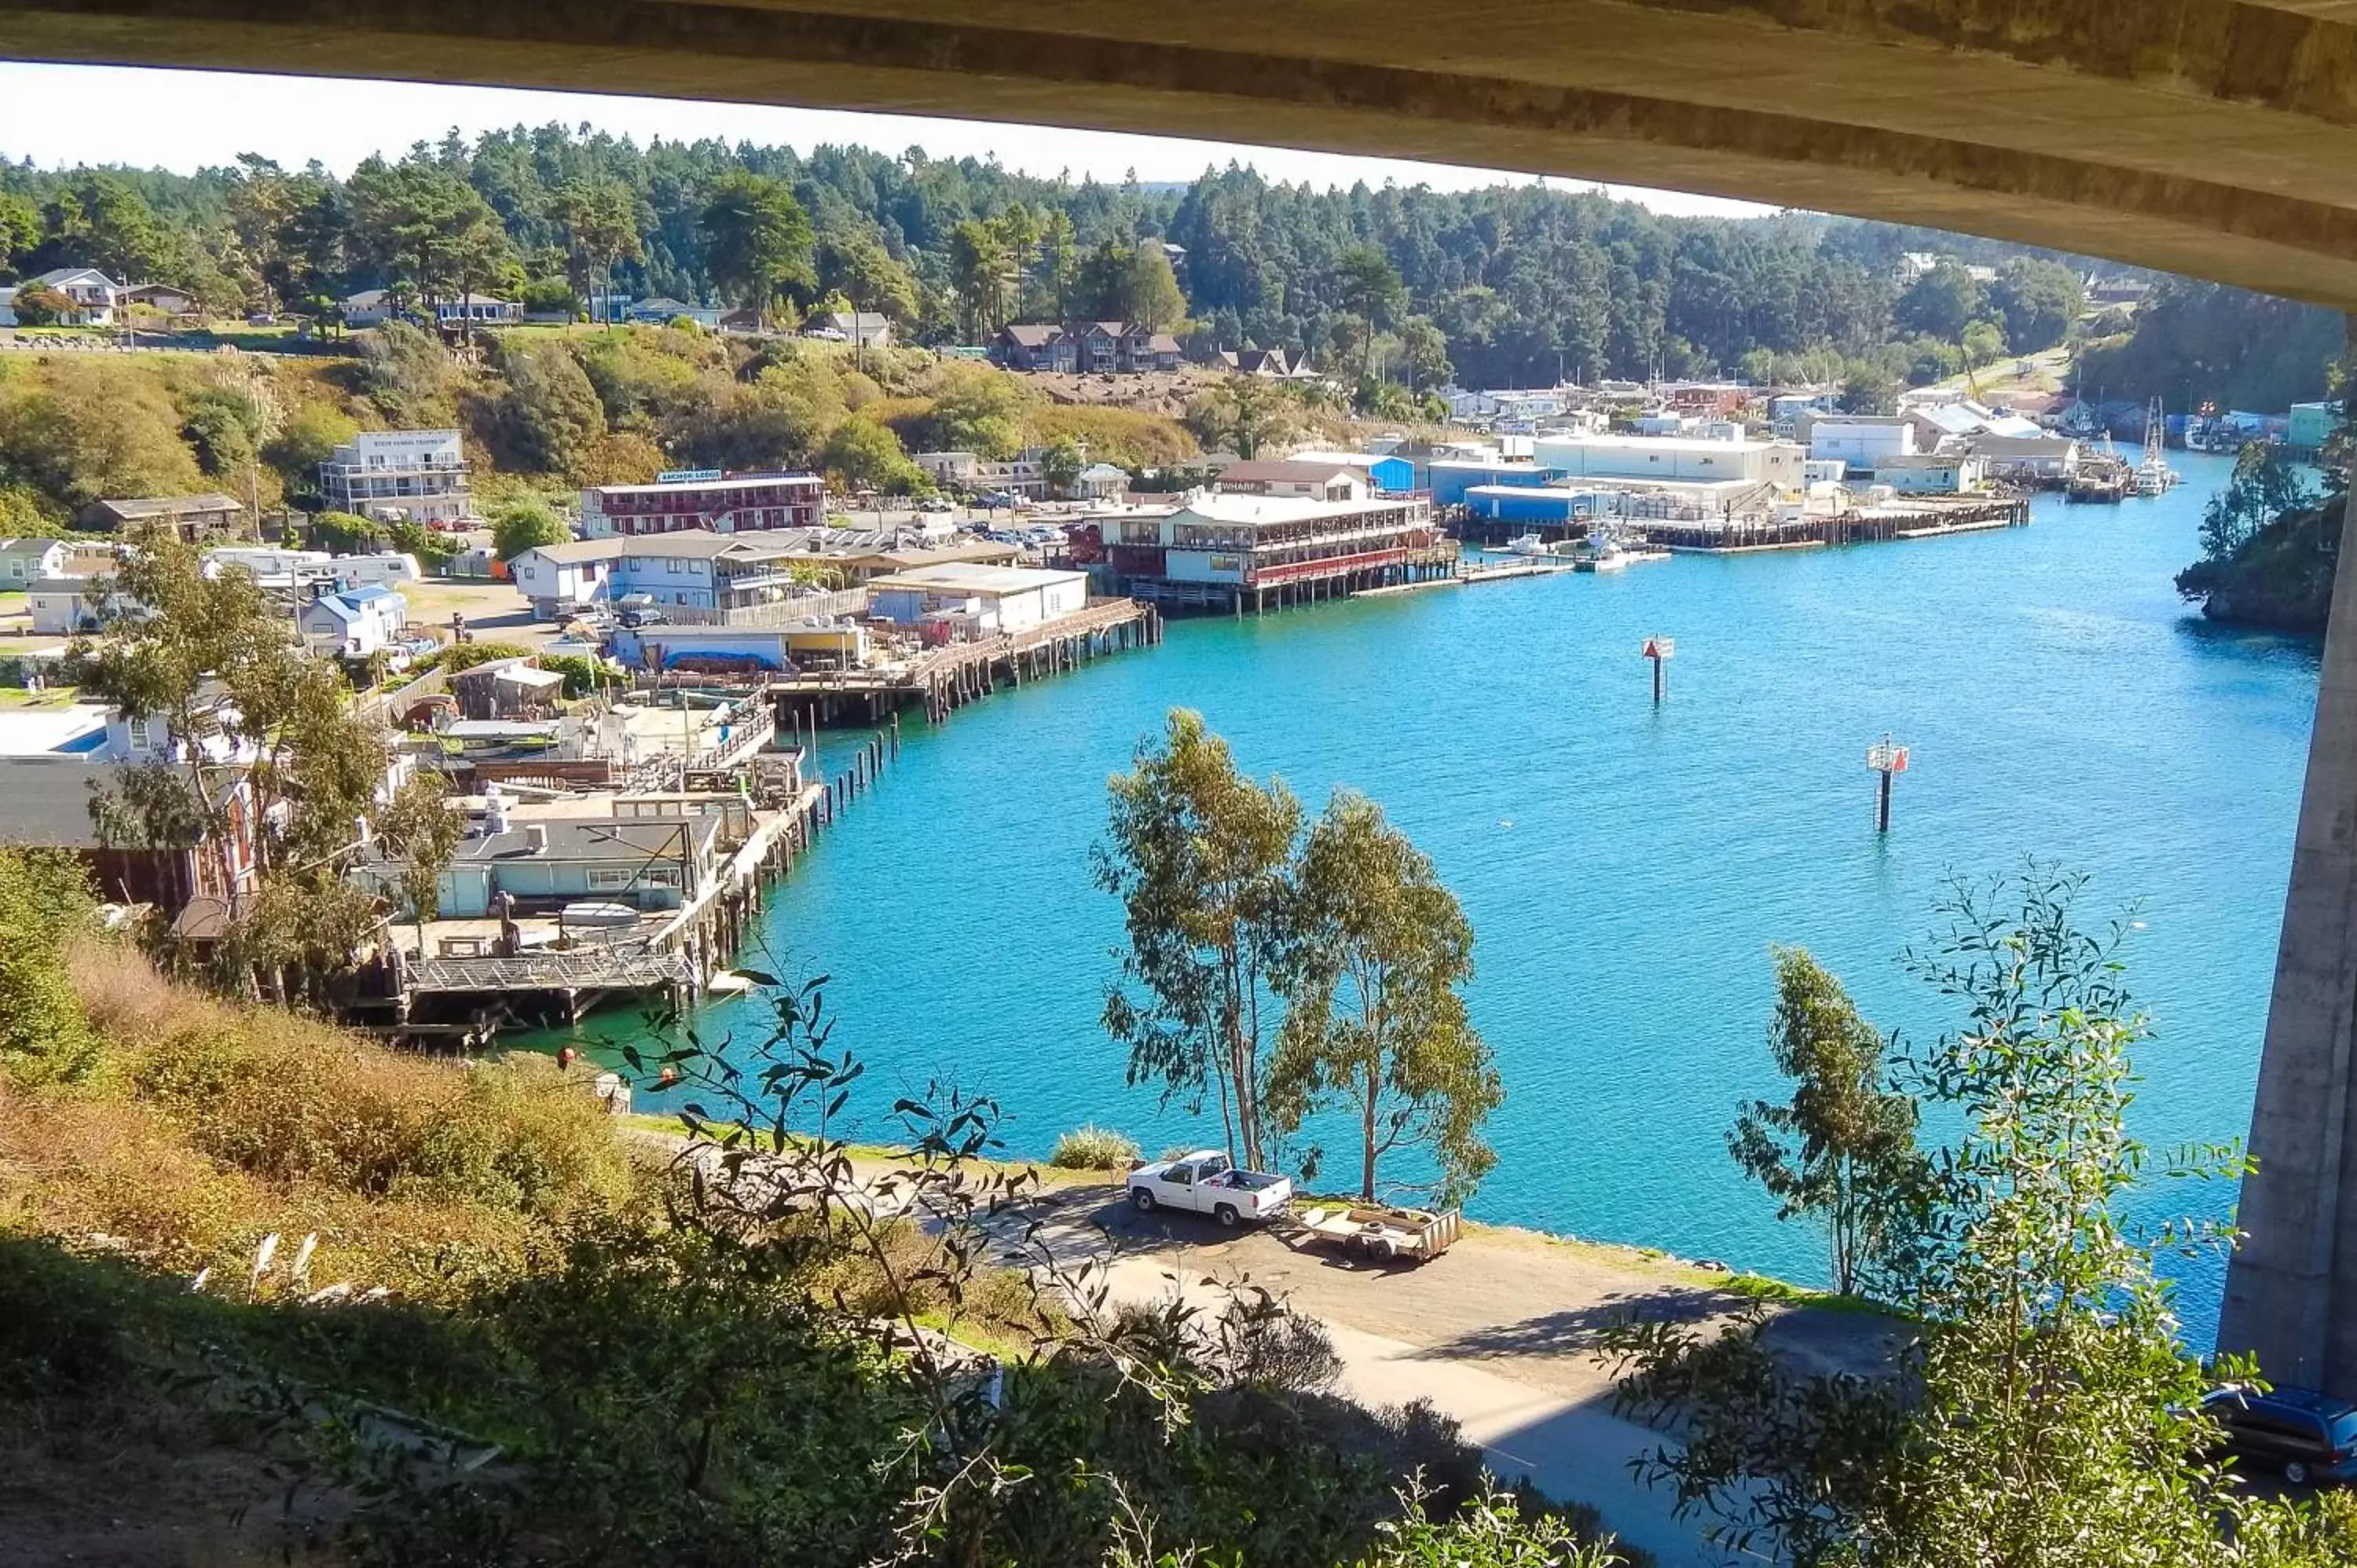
point(1626, 868)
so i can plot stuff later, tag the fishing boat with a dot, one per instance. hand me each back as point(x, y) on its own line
point(1528, 544)
point(2154, 477)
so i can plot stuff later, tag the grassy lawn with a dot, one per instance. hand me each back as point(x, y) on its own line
point(18, 697)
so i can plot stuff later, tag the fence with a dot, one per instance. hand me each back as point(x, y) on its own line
point(785, 612)
point(383, 707)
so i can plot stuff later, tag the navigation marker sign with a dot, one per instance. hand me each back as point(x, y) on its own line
point(1889, 760)
point(1658, 648)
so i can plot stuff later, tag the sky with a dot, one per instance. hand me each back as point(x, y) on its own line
point(64, 115)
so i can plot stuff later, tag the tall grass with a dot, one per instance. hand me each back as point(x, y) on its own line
point(1094, 1148)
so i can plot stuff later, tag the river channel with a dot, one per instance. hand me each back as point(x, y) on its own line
point(1627, 867)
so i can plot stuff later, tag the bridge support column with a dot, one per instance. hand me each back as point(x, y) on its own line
point(2291, 1288)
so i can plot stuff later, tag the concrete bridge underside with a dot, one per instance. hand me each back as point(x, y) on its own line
point(2213, 137)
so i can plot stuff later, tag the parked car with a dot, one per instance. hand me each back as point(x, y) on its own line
point(1206, 1183)
point(934, 503)
point(634, 619)
point(2307, 1436)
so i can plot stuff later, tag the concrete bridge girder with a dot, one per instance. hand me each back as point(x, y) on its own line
point(2217, 137)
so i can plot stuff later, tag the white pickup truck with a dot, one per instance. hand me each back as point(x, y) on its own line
point(1206, 1183)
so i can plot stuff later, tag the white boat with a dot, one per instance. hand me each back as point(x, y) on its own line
point(1528, 544)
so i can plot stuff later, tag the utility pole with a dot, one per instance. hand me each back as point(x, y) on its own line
point(1889, 760)
point(1659, 650)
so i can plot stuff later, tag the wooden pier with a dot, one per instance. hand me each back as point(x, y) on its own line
point(945, 679)
point(1925, 519)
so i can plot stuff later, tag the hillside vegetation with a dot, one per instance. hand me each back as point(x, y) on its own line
point(270, 1292)
point(542, 408)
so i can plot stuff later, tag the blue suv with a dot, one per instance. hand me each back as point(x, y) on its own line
point(2308, 1436)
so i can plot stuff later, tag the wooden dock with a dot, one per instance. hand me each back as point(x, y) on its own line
point(947, 678)
point(1924, 518)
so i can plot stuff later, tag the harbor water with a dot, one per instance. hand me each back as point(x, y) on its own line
point(1628, 868)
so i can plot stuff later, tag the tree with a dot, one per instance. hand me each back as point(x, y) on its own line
point(98, 220)
point(1058, 260)
point(525, 523)
point(90, 429)
point(757, 238)
point(1197, 853)
point(601, 228)
point(307, 439)
point(977, 263)
point(421, 831)
point(2265, 485)
point(1153, 299)
point(1061, 463)
point(1984, 341)
point(1424, 353)
point(1843, 1152)
point(978, 410)
point(863, 455)
point(20, 230)
point(549, 414)
point(40, 305)
point(2037, 302)
point(1939, 304)
point(2047, 1412)
point(346, 533)
point(44, 1035)
point(256, 732)
point(1374, 957)
point(1370, 287)
point(1246, 412)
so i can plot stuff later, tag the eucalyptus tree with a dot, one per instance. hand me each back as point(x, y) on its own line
point(1371, 290)
point(1842, 1152)
point(601, 229)
point(757, 238)
point(1376, 955)
point(2039, 1411)
point(1198, 854)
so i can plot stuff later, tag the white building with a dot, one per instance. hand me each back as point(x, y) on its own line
point(96, 297)
point(419, 476)
point(1858, 440)
point(560, 579)
point(355, 622)
point(978, 600)
point(1672, 458)
point(24, 561)
point(61, 606)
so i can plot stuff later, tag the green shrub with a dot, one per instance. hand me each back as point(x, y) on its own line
point(1094, 1148)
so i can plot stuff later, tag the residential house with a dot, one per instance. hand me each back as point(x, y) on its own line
point(369, 308)
point(743, 502)
point(96, 297)
point(1087, 348)
point(61, 606)
point(872, 328)
point(1271, 362)
point(560, 579)
point(419, 476)
point(546, 858)
point(25, 560)
point(355, 622)
point(189, 519)
point(1033, 346)
point(46, 803)
point(162, 297)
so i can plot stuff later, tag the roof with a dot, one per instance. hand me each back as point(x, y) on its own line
point(58, 277)
point(1289, 471)
point(583, 549)
point(169, 506)
point(682, 486)
point(1103, 472)
point(29, 548)
point(1216, 507)
point(49, 801)
point(1162, 343)
point(1032, 333)
point(651, 840)
point(988, 582)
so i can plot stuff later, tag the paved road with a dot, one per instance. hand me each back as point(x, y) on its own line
point(1572, 1449)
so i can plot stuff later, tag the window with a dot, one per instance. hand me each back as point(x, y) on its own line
point(663, 876)
point(606, 878)
point(139, 735)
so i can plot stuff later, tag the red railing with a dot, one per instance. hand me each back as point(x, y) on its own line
point(1263, 577)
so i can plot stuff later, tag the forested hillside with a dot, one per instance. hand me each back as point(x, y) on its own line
point(1397, 289)
point(1522, 284)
